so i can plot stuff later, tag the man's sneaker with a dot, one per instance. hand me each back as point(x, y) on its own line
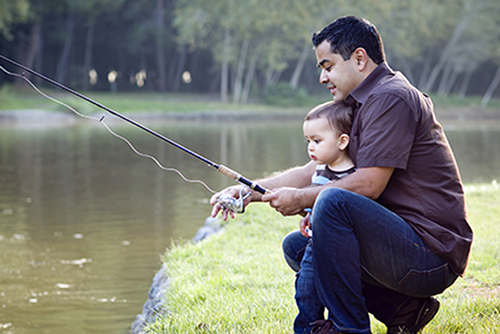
point(414, 316)
point(323, 327)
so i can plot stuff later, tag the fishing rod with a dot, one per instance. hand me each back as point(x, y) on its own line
point(229, 202)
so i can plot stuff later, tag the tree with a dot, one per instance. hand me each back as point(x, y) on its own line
point(409, 27)
point(465, 44)
point(243, 47)
point(493, 49)
point(91, 10)
point(12, 12)
point(160, 40)
point(250, 37)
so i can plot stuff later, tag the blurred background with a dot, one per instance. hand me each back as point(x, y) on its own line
point(244, 50)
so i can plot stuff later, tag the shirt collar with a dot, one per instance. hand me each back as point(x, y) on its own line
point(359, 95)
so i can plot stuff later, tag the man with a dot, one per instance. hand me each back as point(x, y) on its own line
point(394, 233)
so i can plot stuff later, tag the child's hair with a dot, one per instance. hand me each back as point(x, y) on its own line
point(338, 115)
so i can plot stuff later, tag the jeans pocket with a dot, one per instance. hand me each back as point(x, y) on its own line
point(425, 283)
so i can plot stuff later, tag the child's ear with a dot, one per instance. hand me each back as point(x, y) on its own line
point(343, 141)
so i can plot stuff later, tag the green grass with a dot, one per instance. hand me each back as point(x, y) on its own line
point(15, 98)
point(234, 282)
point(454, 101)
point(238, 282)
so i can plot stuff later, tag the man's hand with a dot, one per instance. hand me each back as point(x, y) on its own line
point(287, 201)
point(297, 177)
point(233, 191)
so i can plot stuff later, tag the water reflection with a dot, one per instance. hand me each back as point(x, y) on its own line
point(84, 220)
point(477, 151)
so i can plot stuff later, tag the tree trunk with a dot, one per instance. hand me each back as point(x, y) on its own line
point(160, 42)
point(451, 81)
point(238, 82)
point(249, 78)
point(143, 61)
point(275, 77)
point(447, 51)
point(214, 83)
point(272, 77)
point(407, 70)
point(87, 61)
point(465, 82)
point(63, 64)
point(180, 68)
point(294, 81)
point(35, 43)
point(444, 79)
point(491, 89)
point(426, 69)
point(39, 60)
point(224, 80)
point(31, 51)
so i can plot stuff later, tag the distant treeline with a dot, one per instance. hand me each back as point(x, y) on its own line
point(245, 49)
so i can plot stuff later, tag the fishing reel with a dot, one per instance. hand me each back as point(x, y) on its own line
point(235, 205)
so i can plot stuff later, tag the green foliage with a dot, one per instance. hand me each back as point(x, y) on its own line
point(251, 40)
point(12, 12)
point(281, 94)
point(96, 7)
point(408, 26)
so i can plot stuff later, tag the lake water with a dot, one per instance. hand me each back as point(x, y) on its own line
point(84, 220)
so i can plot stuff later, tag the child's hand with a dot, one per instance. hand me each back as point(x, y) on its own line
point(305, 225)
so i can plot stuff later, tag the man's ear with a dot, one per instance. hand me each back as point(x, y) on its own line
point(361, 58)
point(343, 141)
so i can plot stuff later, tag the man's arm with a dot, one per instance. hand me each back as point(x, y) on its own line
point(297, 177)
point(369, 182)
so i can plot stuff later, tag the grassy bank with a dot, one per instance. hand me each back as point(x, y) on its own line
point(449, 107)
point(26, 98)
point(238, 282)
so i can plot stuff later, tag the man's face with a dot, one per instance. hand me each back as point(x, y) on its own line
point(340, 76)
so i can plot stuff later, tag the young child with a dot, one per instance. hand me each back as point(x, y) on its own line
point(326, 130)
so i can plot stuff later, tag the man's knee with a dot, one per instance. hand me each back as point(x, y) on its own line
point(330, 197)
point(331, 194)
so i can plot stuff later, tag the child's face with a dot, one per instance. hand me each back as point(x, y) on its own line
point(324, 145)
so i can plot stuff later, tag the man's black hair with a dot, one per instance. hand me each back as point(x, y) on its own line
point(348, 33)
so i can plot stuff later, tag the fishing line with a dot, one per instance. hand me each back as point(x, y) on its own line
point(101, 120)
point(229, 202)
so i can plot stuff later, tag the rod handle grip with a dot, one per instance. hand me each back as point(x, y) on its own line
point(235, 176)
point(228, 172)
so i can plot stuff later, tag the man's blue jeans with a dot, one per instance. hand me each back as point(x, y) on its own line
point(358, 243)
